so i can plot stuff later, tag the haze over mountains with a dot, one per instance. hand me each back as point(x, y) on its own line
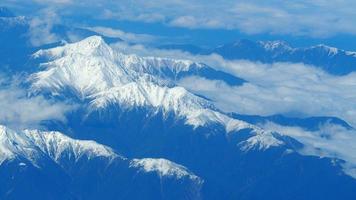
point(111, 125)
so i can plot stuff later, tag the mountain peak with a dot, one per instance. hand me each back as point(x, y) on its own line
point(330, 50)
point(276, 44)
point(163, 167)
point(34, 144)
point(93, 41)
point(91, 46)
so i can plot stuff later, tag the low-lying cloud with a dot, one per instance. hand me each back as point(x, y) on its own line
point(18, 110)
point(117, 33)
point(279, 88)
point(332, 141)
point(40, 28)
point(282, 88)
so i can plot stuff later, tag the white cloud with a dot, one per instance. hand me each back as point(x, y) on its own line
point(128, 37)
point(54, 1)
point(330, 141)
point(40, 31)
point(18, 110)
point(279, 88)
point(282, 88)
point(319, 18)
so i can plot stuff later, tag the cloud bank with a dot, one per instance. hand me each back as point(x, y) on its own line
point(293, 89)
point(319, 18)
point(330, 141)
point(117, 33)
point(18, 110)
point(282, 88)
point(40, 27)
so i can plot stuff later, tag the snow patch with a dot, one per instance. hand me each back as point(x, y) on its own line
point(34, 144)
point(164, 168)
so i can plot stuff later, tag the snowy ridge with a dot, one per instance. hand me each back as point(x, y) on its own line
point(331, 51)
point(34, 144)
point(351, 53)
point(10, 19)
point(161, 67)
point(104, 77)
point(13, 145)
point(56, 145)
point(13, 21)
point(273, 45)
point(284, 46)
point(96, 46)
point(260, 142)
point(164, 168)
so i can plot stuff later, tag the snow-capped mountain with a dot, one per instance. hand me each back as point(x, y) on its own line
point(133, 105)
point(18, 38)
point(163, 167)
point(102, 76)
point(82, 120)
point(33, 145)
point(34, 153)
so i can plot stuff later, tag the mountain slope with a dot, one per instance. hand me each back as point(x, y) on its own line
point(31, 156)
point(96, 73)
point(129, 104)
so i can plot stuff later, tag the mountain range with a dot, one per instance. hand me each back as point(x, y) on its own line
point(330, 59)
point(134, 133)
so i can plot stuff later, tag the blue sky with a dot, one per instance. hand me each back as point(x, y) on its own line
point(302, 22)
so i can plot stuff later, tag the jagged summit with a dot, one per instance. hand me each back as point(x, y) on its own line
point(274, 45)
point(33, 145)
point(331, 51)
point(164, 167)
point(91, 46)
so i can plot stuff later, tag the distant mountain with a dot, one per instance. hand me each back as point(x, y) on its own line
point(309, 123)
point(15, 49)
point(330, 59)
